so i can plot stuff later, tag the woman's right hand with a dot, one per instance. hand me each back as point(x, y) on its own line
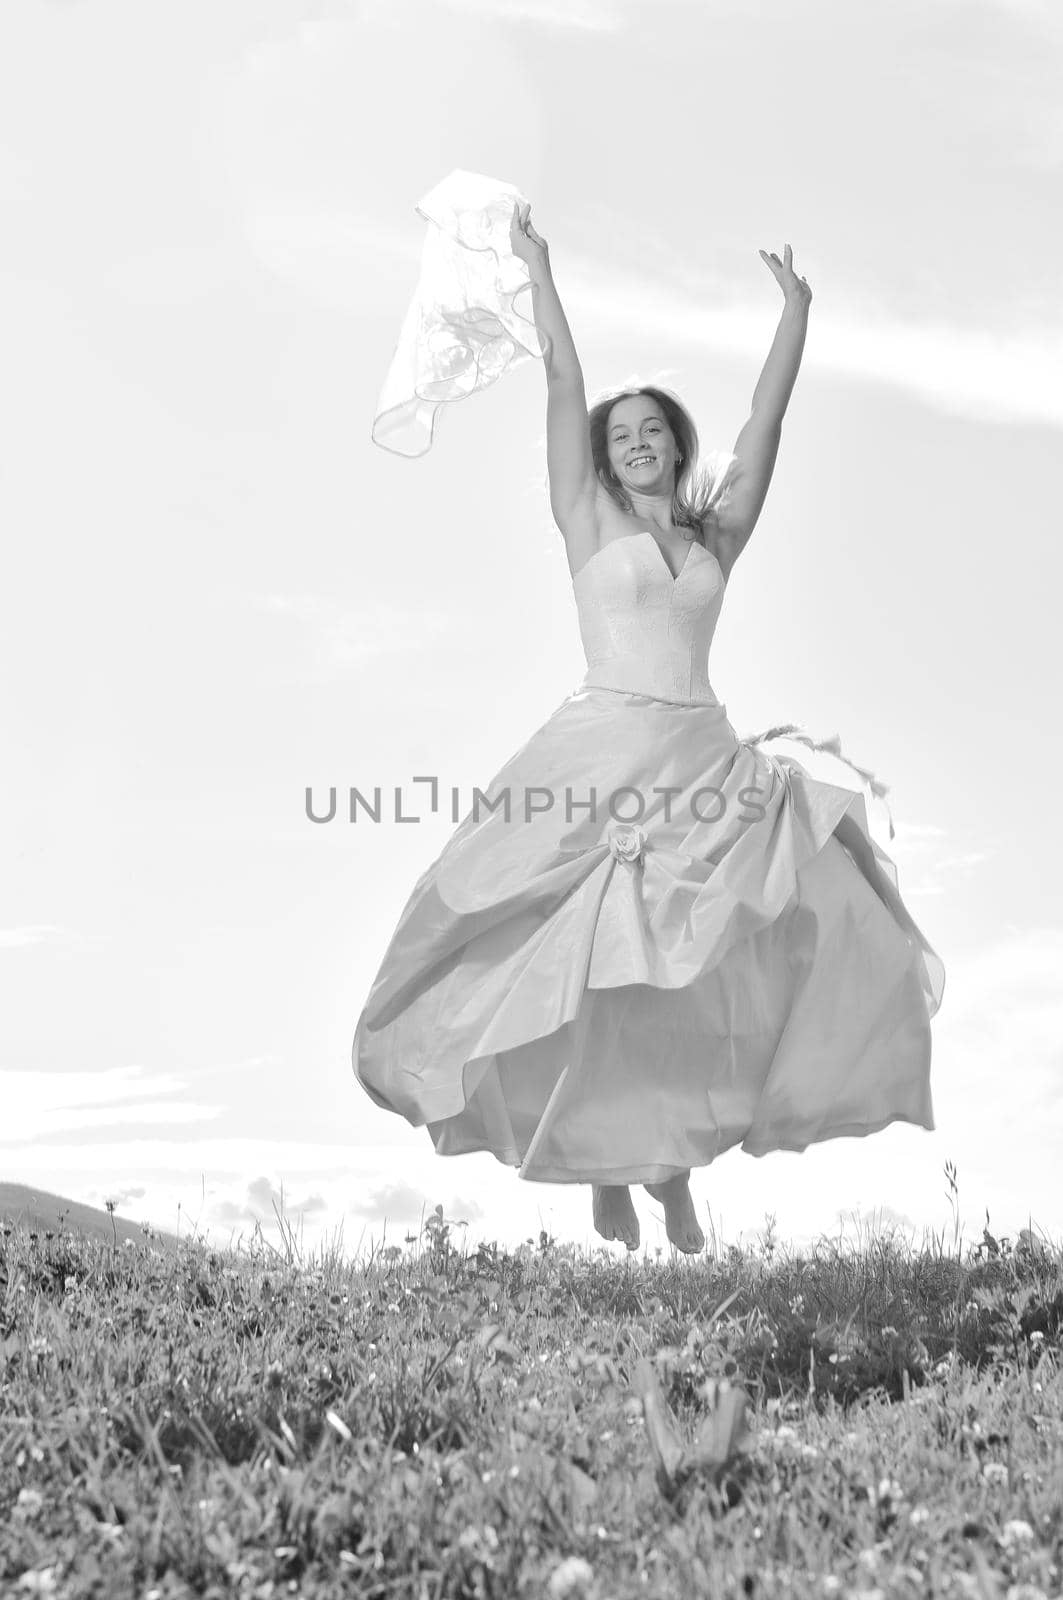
point(524, 241)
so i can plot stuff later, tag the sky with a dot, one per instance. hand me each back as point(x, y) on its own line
point(219, 591)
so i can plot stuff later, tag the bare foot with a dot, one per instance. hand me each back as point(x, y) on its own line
point(614, 1214)
point(680, 1222)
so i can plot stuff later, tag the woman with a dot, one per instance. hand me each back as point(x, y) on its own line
point(654, 940)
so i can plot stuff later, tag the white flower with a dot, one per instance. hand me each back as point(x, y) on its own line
point(626, 841)
point(1015, 1531)
point(571, 1578)
point(38, 1582)
point(337, 1422)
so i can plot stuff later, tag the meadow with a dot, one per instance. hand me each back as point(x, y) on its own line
point(864, 1420)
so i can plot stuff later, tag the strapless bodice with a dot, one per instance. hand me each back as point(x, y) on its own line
point(644, 631)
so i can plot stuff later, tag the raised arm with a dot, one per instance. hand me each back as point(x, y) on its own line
point(573, 481)
point(757, 445)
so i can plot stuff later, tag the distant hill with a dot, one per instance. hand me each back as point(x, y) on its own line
point(35, 1210)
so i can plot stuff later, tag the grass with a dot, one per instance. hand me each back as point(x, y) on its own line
point(871, 1421)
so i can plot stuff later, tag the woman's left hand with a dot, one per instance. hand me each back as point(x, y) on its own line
point(795, 289)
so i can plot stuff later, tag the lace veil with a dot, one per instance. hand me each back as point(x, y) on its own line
point(462, 330)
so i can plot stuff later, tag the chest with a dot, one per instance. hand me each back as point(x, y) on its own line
point(614, 523)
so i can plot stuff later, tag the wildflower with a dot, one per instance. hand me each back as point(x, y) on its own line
point(1025, 1591)
point(42, 1582)
point(919, 1515)
point(336, 1422)
point(571, 1579)
point(1016, 1532)
point(872, 1557)
point(480, 1543)
point(29, 1502)
point(995, 1472)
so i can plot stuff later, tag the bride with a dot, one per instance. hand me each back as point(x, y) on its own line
point(723, 957)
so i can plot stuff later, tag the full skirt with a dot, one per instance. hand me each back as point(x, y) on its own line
point(716, 954)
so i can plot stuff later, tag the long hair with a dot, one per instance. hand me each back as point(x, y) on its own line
point(698, 487)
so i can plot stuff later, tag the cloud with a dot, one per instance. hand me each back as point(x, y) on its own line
point(997, 1082)
point(986, 375)
point(294, 115)
point(918, 835)
point(925, 868)
point(999, 1039)
point(27, 934)
point(1001, 375)
point(43, 1106)
point(879, 1219)
point(394, 1202)
point(266, 1201)
point(1015, 983)
point(201, 1187)
point(400, 1202)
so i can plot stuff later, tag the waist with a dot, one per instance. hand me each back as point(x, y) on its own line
point(664, 678)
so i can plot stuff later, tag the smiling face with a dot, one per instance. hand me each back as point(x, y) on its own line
point(642, 447)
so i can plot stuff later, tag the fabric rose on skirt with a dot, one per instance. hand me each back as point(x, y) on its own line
point(626, 842)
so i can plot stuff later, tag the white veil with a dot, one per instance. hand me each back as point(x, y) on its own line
point(462, 330)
